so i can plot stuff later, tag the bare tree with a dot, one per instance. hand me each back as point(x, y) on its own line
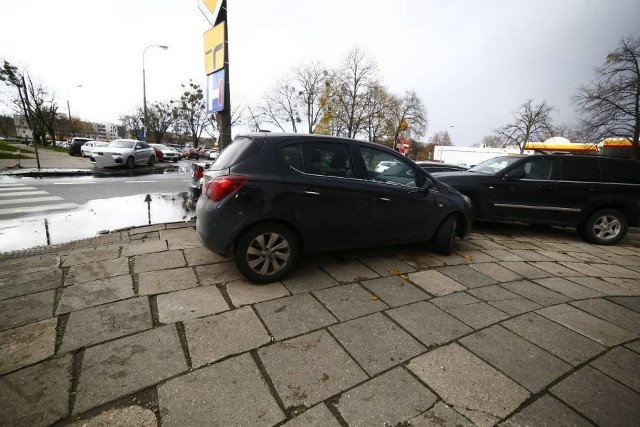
point(191, 111)
point(161, 117)
point(491, 141)
point(408, 115)
point(280, 106)
point(377, 102)
point(530, 122)
point(311, 78)
point(441, 138)
point(350, 85)
point(132, 123)
point(610, 105)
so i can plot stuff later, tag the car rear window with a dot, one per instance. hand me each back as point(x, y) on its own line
point(623, 171)
point(238, 150)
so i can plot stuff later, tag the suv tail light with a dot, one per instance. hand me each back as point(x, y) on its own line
point(199, 172)
point(220, 187)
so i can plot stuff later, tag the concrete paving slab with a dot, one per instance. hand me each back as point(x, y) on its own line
point(585, 269)
point(496, 272)
point(388, 400)
point(316, 368)
point(387, 265)
point(347, 272)
point(488, 244)
point(627, 283)
point(158, 261)
point(141, 248)
point(349, 301)
point(308, 279)
point(440, 415)
point(450, 260)
point(602, 286)
point(394, 290)
point(89, 294)
point(31, 264)
point(96, 324)
point(38, 395)
point(420, 260)
point(27, 344)
point(523, 362)
point(611, 312)
point(476, 256)
point(467, 276)
point(493, 293)
point(147, 229)
point(547, 411)
point(121, 367)
point(435, 282)
point(158, 282)
point(603, 400)
point(202, 256)
point(215, 274)
point(477, 390)
point(214, 337)
point(30, 283)
point(428, 323)
point(564, 343)
point(635, 346)
point(84, 256)
point(231, 392)
point(458, 299)
point(97, 270)
point(567, 288)
point(619, 271)
point(190, 303)
point(243, 292)
point(318, 416)
point(555, 269)
point(26, 309)
point(376, 343)
point(590, 326)
point(521, 245)
point(181, 238)
point(516, 306)
point(556, 256)
point(525, 270)
point(503, 255)
point(478, 315)
point(535, 293)
point(630, 302)
point(622, 365)
point(294, 315)
point(120, 417)
point(529, 255)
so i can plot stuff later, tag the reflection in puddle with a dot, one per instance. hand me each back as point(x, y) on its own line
point(92, 218)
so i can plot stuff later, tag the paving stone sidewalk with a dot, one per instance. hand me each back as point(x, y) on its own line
point(146, 327)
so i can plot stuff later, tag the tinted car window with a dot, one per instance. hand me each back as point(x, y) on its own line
point(399, 171)
point(327, 159)
point(623, 171)
point(540, 169)
point(579, 169)
point(238, 150)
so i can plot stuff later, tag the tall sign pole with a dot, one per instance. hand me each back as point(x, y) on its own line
point(216, 65)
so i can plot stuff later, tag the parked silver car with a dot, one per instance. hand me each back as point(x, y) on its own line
point(124, 152)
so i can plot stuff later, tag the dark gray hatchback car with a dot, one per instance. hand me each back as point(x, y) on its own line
point(270, 197)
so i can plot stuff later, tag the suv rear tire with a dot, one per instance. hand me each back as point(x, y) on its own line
point(266, 252)
point(604, 227)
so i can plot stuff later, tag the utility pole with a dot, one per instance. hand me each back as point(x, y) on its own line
point(30, 119)
point(224, 116)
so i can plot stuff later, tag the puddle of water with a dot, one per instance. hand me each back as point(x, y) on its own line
point(92, 218)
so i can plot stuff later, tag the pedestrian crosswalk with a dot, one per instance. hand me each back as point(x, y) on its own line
point(16, 198)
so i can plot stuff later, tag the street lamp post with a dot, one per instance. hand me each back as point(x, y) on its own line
point(69, 108)
point(144, 86)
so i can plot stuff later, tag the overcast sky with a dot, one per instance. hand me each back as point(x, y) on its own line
point(472, 62)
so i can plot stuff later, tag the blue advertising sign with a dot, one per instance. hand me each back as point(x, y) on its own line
point(141, 135)
point(215, 92)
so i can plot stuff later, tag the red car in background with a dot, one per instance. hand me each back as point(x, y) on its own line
point(190, 153)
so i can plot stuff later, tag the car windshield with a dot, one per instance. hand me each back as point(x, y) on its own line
point(161, 146)
point(495, 165)
point(121, 144)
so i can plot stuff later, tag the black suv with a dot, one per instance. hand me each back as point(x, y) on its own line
point(269, 197)
point(598, 195)
point(75, 146)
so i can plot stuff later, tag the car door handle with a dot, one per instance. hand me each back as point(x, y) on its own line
point(309, 193)
point(382, 200)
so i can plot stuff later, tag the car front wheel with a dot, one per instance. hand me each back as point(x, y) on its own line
point(266, 253)
point(604, 227)
point(131, 163)
point(444, 239)
point(152, 161)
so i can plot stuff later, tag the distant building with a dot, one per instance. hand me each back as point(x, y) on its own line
point(105, 131)
point(22, 128)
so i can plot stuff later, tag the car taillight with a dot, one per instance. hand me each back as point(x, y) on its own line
point(220, 187)
point(199, 173)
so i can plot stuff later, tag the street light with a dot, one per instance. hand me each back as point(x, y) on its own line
point(69, 108)
point(144, 85)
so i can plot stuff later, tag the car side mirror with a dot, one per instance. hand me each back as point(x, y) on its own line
point(516, 174)
point(427, 184)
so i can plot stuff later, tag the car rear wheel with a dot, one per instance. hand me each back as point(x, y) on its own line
point(266, 253)
point(444, 239)
point(152, 161)
point(131, 163)
point(604, 227)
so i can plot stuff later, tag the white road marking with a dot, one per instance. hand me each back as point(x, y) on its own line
point(74, 183)
point(29, 209)
point(131, 182)
point(22, 193)
point(10, 185)
point(30, 200)
point(17, 187)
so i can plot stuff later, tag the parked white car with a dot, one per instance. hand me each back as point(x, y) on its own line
point(168, 154)
point(124, 152)
point(88, 147)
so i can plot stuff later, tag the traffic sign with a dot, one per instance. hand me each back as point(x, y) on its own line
point(211, 9)
point(215, 92)
point(214, 49)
